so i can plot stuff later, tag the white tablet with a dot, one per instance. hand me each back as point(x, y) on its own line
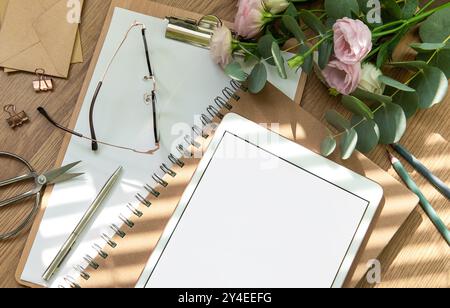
point(263, 212)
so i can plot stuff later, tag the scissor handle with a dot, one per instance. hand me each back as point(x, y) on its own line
point(18, 198)
point(18, 179)
point(25, 223)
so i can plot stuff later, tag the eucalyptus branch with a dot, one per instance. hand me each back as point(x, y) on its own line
point(417, 74)
point(405, 23)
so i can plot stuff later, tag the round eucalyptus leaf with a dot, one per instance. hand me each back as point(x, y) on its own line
point(436, 28)
point(393, 8)
point(366, 95)
point(357, 106)
point(368, 134)
point(234, 71)
point(279, 60)
point(425, 47)
point(265, 48)
point(292, 25)
point(257, 79)
point(291, 10)
point(313, 22)
point(349, 143)
point(342, 8)
point(409, 101)
point(391, 120)
point(325, 52)
point(410, 8)
point(431, 86)
point(336, 120)
point(395, 84)
point(328, 146)
point(441, 59)
point(411, 65)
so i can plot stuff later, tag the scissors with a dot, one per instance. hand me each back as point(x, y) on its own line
point(40, 180)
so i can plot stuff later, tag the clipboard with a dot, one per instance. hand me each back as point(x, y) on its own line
point(123, 268)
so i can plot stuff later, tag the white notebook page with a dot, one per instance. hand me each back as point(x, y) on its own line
point(249, 225)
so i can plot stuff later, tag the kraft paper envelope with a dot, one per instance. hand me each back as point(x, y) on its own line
point(36, 34)
point(77, 55)
point(3, 5)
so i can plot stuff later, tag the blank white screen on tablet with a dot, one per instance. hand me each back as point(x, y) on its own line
point(254, 224)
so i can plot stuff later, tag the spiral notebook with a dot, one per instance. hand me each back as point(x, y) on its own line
point(119, 258)
point(122, 117)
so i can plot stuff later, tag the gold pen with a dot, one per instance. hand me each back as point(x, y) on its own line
point(81, 227)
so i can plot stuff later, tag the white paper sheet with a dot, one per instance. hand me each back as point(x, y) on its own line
point(187, 82)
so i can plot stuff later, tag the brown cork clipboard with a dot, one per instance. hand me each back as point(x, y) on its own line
point(126, 262)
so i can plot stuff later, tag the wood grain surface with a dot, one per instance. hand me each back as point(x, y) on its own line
point(417, 257)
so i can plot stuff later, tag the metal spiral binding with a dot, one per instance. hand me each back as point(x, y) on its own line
point(126, 221)
point(183, 151)
point(91, 262)
point(199, 133)
point(152, 191)
point(100, 251)
point(222, 103)
point(191, 141)
point(71, 282)
point(213, 112)
point(118, 232)
point(168, 171)
point(82, 272)
point(159, 180)
point(109, 240)
point(135, 211)
point(143, 200)
point(176, 161)
point(207, 119)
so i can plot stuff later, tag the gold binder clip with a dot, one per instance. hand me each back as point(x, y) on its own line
point(15, 119)
point(42, 83)
point(197, 33)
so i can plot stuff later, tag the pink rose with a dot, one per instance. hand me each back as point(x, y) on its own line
point(250, 18)
point(221, 46)
point(352, 40)
point(343, 77)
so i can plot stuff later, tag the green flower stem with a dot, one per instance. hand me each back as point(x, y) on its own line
point(312, 11)
point(298, 60)
point(387, 26)
point(426, 6)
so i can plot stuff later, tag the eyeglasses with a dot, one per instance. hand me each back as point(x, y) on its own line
point(148, 99)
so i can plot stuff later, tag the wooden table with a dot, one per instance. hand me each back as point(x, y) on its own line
point(417, 257)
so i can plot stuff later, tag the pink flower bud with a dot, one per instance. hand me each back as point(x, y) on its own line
point(343, 77)
point(221, 46)
point(352, 40)
point(250, 18)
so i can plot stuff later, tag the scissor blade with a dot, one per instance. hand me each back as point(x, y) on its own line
point(65, 177)
point(52, 176)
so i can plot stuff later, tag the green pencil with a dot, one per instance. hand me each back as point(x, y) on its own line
point(426, 205)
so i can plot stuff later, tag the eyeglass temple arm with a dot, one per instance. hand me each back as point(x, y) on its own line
point(42, 111)
point(150, 71)
point(91, 117)
point(147, 52)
